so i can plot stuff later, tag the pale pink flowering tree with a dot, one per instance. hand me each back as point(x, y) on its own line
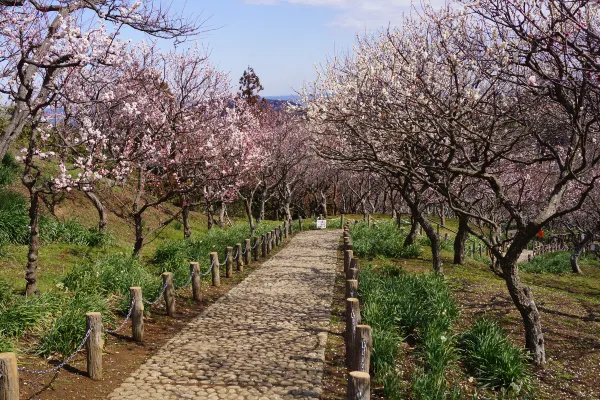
point(41, 39)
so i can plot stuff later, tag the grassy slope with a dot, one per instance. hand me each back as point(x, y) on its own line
point(57, 258)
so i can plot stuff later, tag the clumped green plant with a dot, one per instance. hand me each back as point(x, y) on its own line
point(69, 328)
point(549, 263)
point(8, 170)
point(20, 313)
point(493, 360)
point(175, 256)
point(14, 220)
point(382, 239)
point(114, 274)
point(399, 305)
point(6, 345)
point(73, 232)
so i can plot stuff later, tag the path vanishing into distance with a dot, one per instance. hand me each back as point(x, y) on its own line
point(263, 340)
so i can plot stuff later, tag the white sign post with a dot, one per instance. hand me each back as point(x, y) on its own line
point(321, 224)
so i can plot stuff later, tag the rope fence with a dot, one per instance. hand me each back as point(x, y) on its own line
point(92, 340)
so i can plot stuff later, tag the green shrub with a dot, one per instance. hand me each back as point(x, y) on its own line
point(69, 327)
point(549, 263)
point(383, 239)
point(493, 360)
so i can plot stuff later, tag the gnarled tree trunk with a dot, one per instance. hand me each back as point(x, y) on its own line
point(34, 243)
point(410, 238)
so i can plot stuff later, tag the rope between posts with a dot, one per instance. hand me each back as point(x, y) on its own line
point(162, 293)
point(62, 364)
point(125, 321)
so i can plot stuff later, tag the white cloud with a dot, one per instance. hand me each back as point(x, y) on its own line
point(357, 14)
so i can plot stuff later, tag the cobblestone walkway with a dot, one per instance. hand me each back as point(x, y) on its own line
point(264, 340)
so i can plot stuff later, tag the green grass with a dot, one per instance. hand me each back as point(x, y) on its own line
point(383, 239)
point(174, 256)
point(69, 327)
point(493, 360)
point(549, 263)
point(398, 305)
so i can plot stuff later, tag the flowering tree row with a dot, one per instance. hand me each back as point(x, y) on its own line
point(489, 106)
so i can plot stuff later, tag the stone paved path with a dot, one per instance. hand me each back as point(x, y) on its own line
point(264, 340)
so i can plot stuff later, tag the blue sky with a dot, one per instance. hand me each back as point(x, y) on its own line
point(283, 39)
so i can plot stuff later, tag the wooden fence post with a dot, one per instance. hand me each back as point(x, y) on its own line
point(264, 245)
point(239, 264)
point(229, 262)
point(346, 243)
point(216, 275)
point(347, 259)
point(196, 282)
point(353, 273)
point(362, 348)
point(300, 224)
point(93, 321)
point(480, 250)
point(359, 386)
point(169, 293)
point(351, 288)
point(277, 237)
point(285, 229)
point(137, 314)
point(352, 319)
point(9, 377)
point(342, 221)
point(248, 250)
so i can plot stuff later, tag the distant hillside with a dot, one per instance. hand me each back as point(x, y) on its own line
point(278, 102)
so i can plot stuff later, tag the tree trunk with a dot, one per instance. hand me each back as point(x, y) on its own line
point(209, 216)
point(102, 217)
point(410, 238)
point(461, 239)
point(288, 212)
point(588, 236)
point(34, 244)
point(263, 202)
point(139, 234)
point(431, 234)
point(442, 214)
point(222, 215)
point(523, 299)
point(324, 204)
point(185, 215)
point(248, 206)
